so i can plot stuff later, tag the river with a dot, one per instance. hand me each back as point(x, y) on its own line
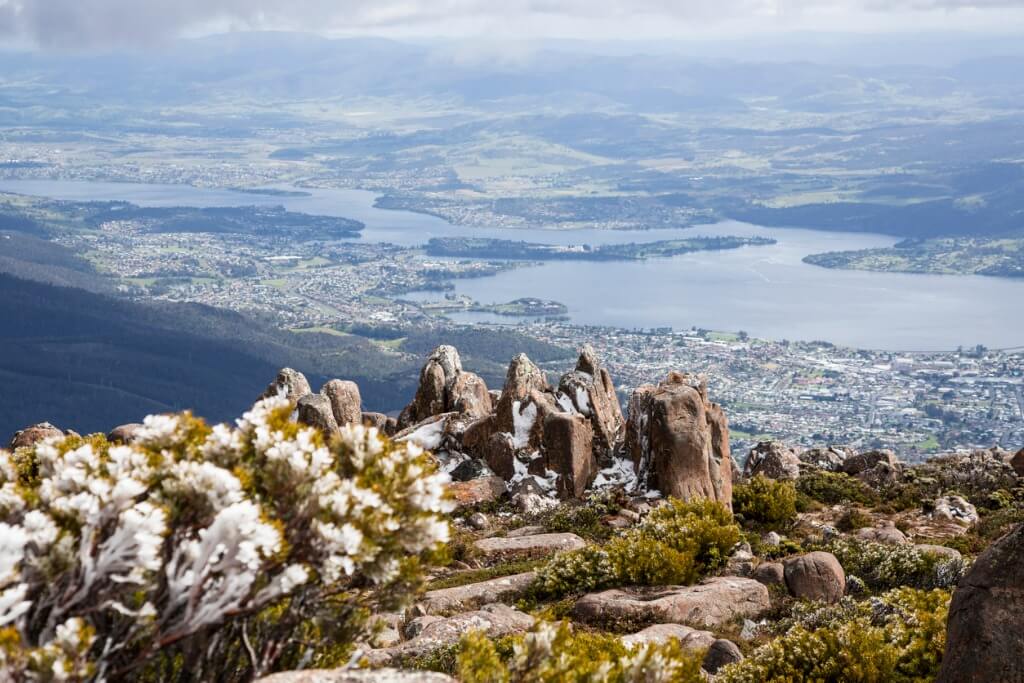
point(766, 291)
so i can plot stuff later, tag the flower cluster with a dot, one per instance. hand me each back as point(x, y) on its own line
point(111, 554)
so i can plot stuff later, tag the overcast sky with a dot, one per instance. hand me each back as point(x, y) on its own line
point(111, 23)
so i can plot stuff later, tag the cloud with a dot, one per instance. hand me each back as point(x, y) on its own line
point(106, 23)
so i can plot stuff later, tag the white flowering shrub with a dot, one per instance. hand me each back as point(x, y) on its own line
point(222, 552)
point(883, 566)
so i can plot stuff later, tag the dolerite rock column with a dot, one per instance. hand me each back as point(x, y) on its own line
point(445, 387)
point(679, 440)
point(589, 390)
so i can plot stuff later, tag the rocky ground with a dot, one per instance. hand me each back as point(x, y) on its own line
point(641, 528)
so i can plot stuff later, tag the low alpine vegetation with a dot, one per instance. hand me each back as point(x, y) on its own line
point(883, 566)
point(225, 552)
point(767, 502)
point(554, 653)
point(677, 543)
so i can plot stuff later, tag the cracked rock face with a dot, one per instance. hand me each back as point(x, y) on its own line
point(346, 403)
point(315, 410)
point(589, 390)
point(445, 387)
point(772, 459)
point(679, 440)
point(983, 634)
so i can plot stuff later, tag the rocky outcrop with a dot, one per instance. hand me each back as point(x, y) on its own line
point(769, 574)
point(679, 440)
point(772, 459)
point(659, 634)
point(493, 620)
point(569, 450)
point(710, 604)
point(815, 576)
point(721, 653)
point(830, 458)
point(346, 403)
point(290, 382)
point(983, 633)
point(861, 462)
point(955, 508)
point(526, 399)
point(383, 423)
point(477, 491)
point(473, 595)
point(886, 533)
point(538, 545)
point(124, 434)
point(445, 387)
point(30, 436)
point(1017, 462)
point(315, 410)
point(589, 391)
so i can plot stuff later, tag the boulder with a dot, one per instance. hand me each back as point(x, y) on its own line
point(539, 545)
point(30, 436)
point(955, 508)
point(495, 621)
point(710, 604)
point(589, 391)
point(356, 676)
point(476, 435)
point(483, 490)
point(346, 403)
point(679, 440)
point(942, 551)
point(531, 530)
point(772, 459)
point(983, 632)
point(290, 382)
point(568, 448)
point(473, 595)
point(855, 464)
point(886, 533)
point(1017, 462)
point(124, 434)
point(769, 574)
point(815, 576)
point(658, 634)
point(471, 468)
point(830, 458)
point(430, 434)
point(721, 653)
point(314, 410)
point(378, 420)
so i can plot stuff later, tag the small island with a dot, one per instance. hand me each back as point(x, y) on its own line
point(478, 247)
point(997, 257)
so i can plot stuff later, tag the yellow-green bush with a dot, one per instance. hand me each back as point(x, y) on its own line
point(554, 653)
point(677, 543)
point(765, 501)
point(899, 638)
point(883, 566)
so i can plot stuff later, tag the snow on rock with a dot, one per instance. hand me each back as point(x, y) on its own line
point(522, 420)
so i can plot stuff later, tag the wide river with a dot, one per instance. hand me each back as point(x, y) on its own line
point(766, 291)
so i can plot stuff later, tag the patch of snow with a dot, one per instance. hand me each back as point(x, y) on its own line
point(428, 436)
point(566, 403)
point(450, 461)
point(523, 423)
point(583, 400)
point(619, 473)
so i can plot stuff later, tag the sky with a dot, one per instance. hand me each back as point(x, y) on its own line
point(104, 24)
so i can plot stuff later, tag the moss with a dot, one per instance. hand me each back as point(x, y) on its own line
point(765, 501)
point(476, 575)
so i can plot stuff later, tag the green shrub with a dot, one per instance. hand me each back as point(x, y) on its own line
point(884, 566)
point(554, 653)
point(853, 519)
point(677, 543)
point(899, 639)
point(834, 488)
point(765, 501)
